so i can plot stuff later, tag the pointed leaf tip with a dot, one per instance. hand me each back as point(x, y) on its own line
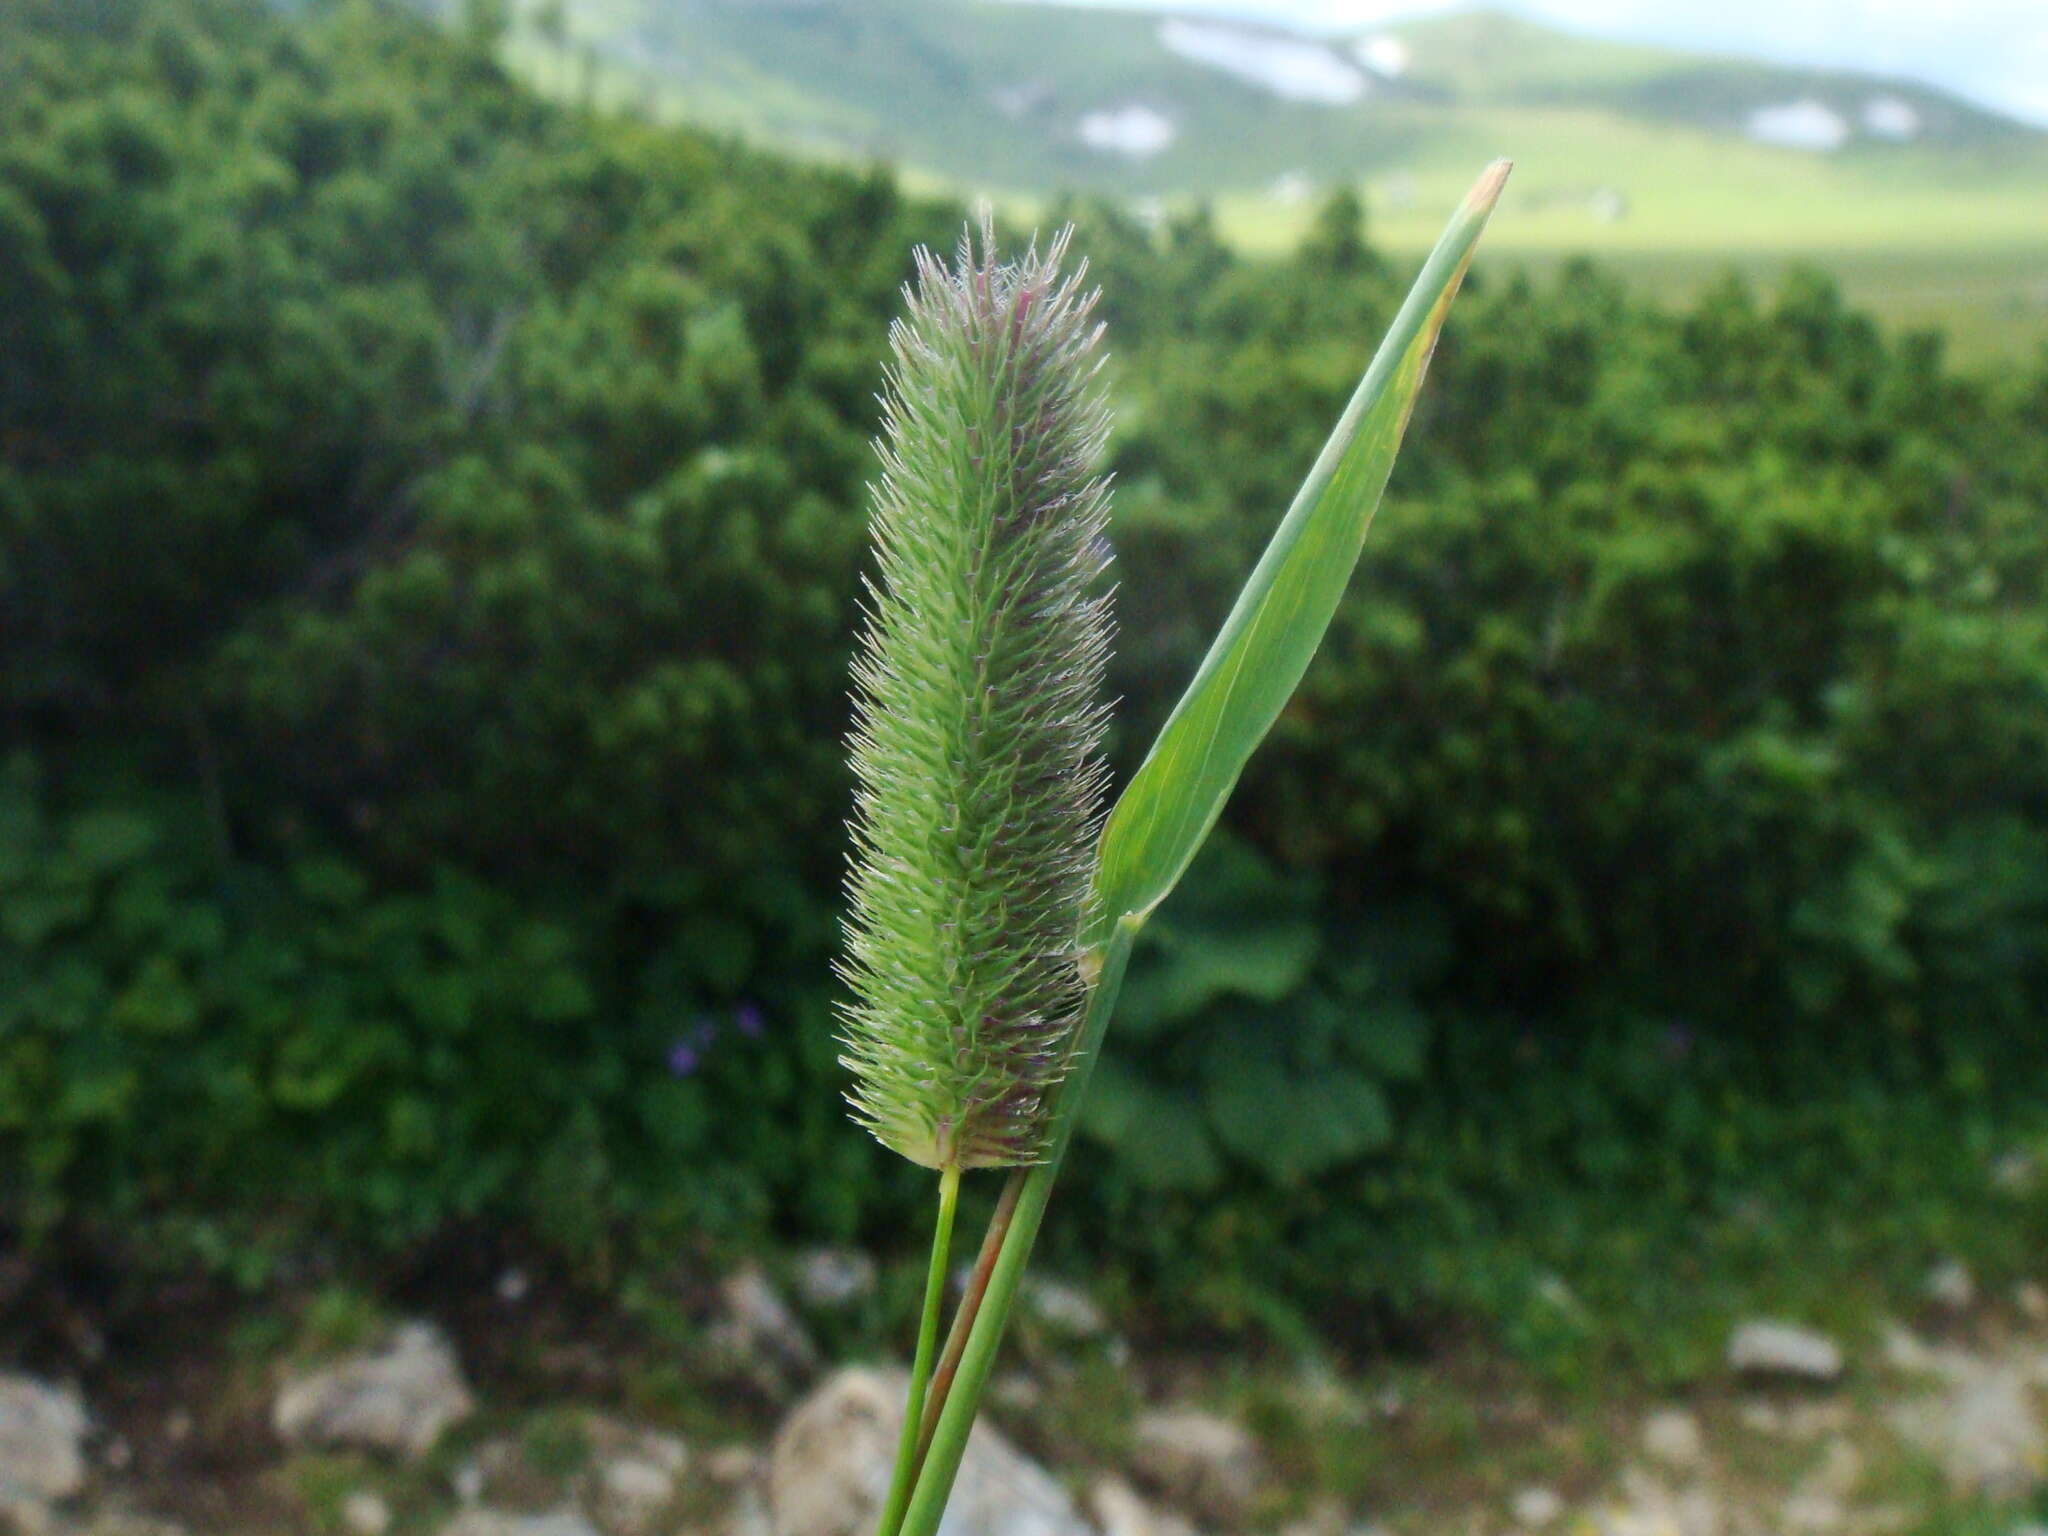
point(1486, 190)
point(1279, 618)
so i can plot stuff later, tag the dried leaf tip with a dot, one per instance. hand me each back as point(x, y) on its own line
point(1486, 190)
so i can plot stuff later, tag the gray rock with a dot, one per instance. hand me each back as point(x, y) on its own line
point(1672, 1436)
point(498, 1522)
point(1820, 1502)
point(398, 1398)
point(732, 1465)
point(1119, 1511)
point(1794, 1421)
point(1648, 1508)
point(365, 1513)
point(638, 1472)
point(757, 1329)
point(1016, 1392)
point(42, 1442)
point(2032, 1301)
point(1951, 1286)
point(1838, 1471)
point(124, 1523)
point(1534, 1508)
point(2017, 1172)
point(634, 1491)
point(1985, 1431)
point(1206, 1464)
point(1324, 1518)
point(467, 1480)
point(748, 1516)
point(829, 1470)
point(1911, 1355)
point(829, 1279)
point(1066, 1307)
point(1805, 1510)
point(1781, 1349)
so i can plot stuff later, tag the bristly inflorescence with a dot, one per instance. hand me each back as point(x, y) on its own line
point(978, 711)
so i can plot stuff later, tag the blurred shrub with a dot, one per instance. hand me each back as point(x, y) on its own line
point(294, 1047)
point(430, 530)
point(1259, 1027)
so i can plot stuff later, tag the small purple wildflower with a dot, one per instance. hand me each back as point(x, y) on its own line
point(749, 1021)
point(682, 1059)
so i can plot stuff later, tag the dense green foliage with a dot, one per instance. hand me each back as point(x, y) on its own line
point(430, 526)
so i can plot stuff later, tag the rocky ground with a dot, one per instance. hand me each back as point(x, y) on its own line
point(1932, 1425)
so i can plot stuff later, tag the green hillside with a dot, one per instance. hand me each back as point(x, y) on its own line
point(1671, 165)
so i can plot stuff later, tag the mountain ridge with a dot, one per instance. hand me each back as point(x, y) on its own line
point(1680, 163)
point(1033, 97)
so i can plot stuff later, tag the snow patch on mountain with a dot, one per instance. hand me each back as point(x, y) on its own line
point(1131, 129)
point(1293, 68)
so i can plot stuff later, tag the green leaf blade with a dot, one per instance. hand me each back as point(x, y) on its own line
point(1280, 617)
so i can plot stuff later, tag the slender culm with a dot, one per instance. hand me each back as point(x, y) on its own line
point(978, 710)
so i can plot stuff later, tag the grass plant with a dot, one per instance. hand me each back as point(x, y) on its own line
point(993, 909)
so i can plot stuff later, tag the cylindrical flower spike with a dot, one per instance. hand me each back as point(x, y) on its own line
point(979, 713)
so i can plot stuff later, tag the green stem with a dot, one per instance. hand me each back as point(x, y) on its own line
point(949, 1439)
point(969, 1309)
point(907, 1443)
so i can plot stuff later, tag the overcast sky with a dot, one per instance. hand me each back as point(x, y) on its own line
point(1994, 51)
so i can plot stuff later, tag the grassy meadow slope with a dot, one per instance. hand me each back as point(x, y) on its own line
point(1930, 210)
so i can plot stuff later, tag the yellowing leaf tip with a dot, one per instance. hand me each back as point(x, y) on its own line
point(1486, 190)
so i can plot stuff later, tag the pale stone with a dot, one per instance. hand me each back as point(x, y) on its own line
point(757, 1328)
point(1325, 1518)
point(398, 1398)
point(828, 1470)
point(1794, 1421)
point(1119, 1510)
point(2032, 1301)
point(828, 1279)
point(1985, 1431)
point(1648, 1508)
point(731, 1465)
point(1200, 1461)
point(634, 1492)
point(1672, 1436)
point(365, 1514)
point(1016, 1392)
point(1951, 1286)
point(1805, 1510)
point(123, 1523)
point(2016, 1173)
point(1066, 1307)
point(1535, 1508)
point(1763, 1348)
point(638, 1472)
point(42, 1441)
point(748, 1516)
point(497, 1522)
point(467, 1481)
point(1838, 1472)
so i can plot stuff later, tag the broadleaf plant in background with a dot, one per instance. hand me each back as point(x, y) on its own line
point(990, 925)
